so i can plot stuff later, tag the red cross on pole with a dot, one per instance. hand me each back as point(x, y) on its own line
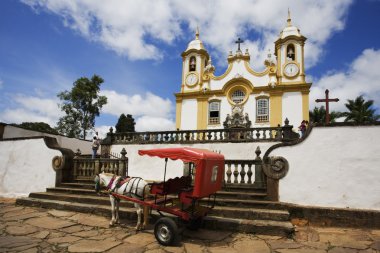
point(327, 100)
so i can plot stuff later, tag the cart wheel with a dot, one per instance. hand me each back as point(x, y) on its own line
point(166, 231)
point(195, 224)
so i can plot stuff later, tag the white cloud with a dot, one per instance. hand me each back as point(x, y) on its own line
point(1, 84)
point(361, 78)
point(151, 112)
point(151, 123)
point(32, 109)
point(136, 28)
point(137, 105)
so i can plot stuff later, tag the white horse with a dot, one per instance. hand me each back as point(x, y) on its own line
point(134, 187)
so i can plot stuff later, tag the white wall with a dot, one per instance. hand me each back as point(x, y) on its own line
point(25, 166)
point(189, 114)
point(152, 168)
point(292, 108)
point(334, 167)
point(65, 142)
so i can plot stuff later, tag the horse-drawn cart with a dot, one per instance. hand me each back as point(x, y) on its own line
point(181, 196)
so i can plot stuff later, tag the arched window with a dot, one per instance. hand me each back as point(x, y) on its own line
point(192, 63)
point(237, 96)
point(290, 52)
point(214, 112)
point(262, 110)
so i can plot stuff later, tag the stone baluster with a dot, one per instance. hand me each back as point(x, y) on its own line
point(229, 173)
point(249, 174)
point(242, 174)
point(236, 173)
point(97, 167)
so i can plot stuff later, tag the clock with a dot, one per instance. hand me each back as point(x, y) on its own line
point(291, 69)
point(191, 79)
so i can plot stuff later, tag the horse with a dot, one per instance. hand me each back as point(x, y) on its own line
point(134, 187)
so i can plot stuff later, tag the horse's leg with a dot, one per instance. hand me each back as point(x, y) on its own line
point(146, 214)
point(113, 207)
point(139, 212)
point(117, 211)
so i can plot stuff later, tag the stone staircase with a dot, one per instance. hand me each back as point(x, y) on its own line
point(235, 209)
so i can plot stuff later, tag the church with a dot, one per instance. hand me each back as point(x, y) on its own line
point(242, 97)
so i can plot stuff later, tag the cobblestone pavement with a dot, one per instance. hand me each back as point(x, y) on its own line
point(29, 229)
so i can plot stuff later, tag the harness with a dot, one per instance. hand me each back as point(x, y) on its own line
point(127, 180)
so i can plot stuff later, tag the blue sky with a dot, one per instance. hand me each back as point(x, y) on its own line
point(136, 47)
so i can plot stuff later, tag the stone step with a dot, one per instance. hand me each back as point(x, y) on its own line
point(221, 194)
point(268, 227)
point(246, 188)
point(232, 212)
point(223, 199)
point(87, 199)
point(250, 213)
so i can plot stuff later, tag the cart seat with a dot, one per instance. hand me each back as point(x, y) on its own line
point(172, 186)
point(186, 195)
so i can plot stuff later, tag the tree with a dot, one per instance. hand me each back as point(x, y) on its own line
point(318, 115)
point(360, 111)
point(125, 124)
point(37, 126)
point(81, 105)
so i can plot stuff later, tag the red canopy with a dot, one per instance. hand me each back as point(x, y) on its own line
point(185, 154)
point(209, 167)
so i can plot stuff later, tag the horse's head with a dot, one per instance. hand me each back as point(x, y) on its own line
point(103, 180)
point(97, 183)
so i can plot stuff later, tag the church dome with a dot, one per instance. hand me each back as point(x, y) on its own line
point(195, 44)
point(290, 30)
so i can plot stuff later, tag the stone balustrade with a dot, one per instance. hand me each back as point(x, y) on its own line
point(259, 134)
point(246, 172)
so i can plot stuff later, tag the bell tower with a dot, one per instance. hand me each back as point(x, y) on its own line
point(289, 49)
point(194, 61)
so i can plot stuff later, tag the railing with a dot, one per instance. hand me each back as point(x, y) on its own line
point(261, 134)
point(245, 172)
point(88, 167)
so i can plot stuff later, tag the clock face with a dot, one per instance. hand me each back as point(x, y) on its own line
point(191, 79)
point(291, 69)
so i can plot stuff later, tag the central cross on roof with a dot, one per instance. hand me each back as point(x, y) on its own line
point(239, 41)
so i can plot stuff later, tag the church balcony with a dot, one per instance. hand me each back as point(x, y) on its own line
point(258, 134)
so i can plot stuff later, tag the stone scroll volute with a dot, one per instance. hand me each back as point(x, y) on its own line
point(276, 167)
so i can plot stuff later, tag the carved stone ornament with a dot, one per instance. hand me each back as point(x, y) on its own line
point(57, 162)
point(237, 119)
point(276, 168)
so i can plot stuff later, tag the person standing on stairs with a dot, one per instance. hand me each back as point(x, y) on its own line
point(95, 146)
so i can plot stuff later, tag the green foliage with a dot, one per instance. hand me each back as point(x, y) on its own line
point(360, 111)
point(81, 105)
point(318, 115)
point(37, 126)
point(125, 124)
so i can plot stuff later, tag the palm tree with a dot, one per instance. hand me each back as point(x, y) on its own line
point(360, 111)
point(318, 115)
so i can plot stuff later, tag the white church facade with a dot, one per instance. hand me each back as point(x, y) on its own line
point(262, 99)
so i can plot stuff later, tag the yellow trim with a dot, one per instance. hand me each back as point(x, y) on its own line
point(289, 87)
point(178, 113)
point(202, 113)
point(223, 75)
point(275, 109)
point(250, 70)
point(305, 106)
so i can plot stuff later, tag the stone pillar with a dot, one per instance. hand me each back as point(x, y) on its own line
point(275, 168)
point(124, 163)
point(259, 175)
